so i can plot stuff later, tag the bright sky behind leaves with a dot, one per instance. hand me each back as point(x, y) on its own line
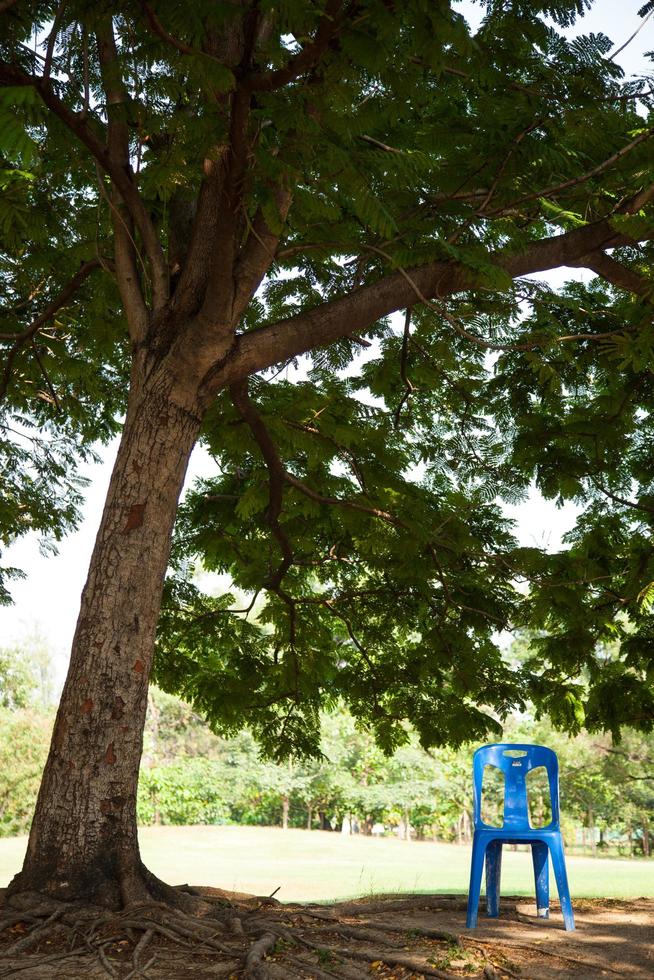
point(49, 596)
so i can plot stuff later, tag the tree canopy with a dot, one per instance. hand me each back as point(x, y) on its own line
point(380, 157)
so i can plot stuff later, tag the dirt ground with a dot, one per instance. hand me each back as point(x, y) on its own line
point(239, 937)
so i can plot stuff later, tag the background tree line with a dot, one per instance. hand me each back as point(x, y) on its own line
point(191, 776)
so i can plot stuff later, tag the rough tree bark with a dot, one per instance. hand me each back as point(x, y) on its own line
point(83, 842)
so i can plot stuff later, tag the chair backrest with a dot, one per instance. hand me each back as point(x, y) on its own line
point(515, 761)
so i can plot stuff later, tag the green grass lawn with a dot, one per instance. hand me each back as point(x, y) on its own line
point(318, 866)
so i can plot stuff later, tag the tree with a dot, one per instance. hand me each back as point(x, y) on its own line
point(17, 681)
point(197, 195)
point(26, 672)
point(24, 738)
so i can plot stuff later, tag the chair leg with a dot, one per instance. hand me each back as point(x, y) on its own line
point(493, 873)
point(476, 868)
point(558, 863)
point(539, 855)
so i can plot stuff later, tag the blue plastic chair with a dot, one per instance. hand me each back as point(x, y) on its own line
point(515, 761)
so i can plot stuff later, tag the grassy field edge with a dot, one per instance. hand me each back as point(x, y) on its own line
point(318, 866)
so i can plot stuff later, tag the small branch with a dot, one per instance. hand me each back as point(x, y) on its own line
point(391, 959)
point(380, 145)
point(76, 122)
point(52, 40)
point(340, 502)
point(161, 32)
point(621, 500)
point(515, 143)
point(308, 57)
point(46, 377)
point(408, 387)
point(575, 181)
point(86, 75)
point(60, 300)
point(344, 452)
point(630, 39)
point(247, 409)
point(21, 339)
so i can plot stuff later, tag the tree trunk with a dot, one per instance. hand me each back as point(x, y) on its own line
point(285, 808)
point(591, 831)
point(309, 817)
point(152, 729)
point(83, 842)
point(406, 824)
point(467, 835)
point(646, 847)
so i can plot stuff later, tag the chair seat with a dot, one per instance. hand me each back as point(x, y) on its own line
point(509, 836)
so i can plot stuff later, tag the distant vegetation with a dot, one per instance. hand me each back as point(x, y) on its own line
point(191, 776)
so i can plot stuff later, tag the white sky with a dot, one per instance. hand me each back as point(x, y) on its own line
point(49, 596)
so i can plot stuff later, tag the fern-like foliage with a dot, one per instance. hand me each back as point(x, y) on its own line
point(391, 569)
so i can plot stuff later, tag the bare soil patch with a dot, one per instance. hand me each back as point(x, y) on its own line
point(241, 937)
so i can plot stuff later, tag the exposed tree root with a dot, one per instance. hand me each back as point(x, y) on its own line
point(255, 968)
point(254, 939)
point(392, 959)
point(446, 937)
point(409, 904)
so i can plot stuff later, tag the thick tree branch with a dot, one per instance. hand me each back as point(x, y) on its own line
point(359, 310)
point(207, 286)
point(258, 254)
point(189, 292)
point(118, 146)
point(305, 59)
point(617, 274)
